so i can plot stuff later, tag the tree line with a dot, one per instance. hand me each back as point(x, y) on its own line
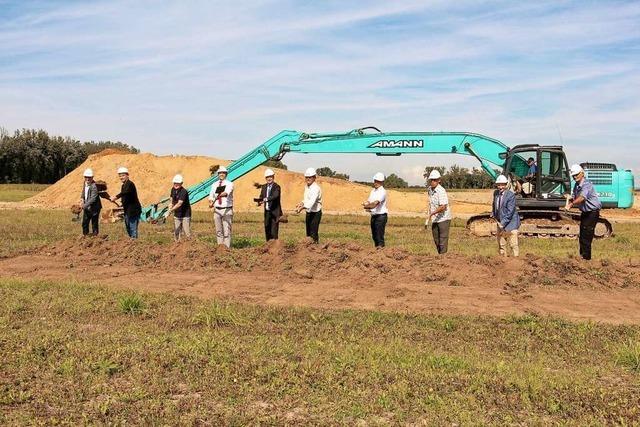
point(458, 177)
point(34, 156)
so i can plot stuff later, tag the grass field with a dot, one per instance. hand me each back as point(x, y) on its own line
point(83, 354)
point(19, 192)
point(78, 353)
point(22, 229)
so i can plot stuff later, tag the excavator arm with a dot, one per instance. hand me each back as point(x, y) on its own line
point(488, 151)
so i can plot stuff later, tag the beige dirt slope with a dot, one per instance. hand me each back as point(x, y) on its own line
point(152, 176)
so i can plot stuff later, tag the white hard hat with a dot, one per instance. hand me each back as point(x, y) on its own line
point(501, 179)
point(310, 172)
point(576, 169)
point(269, 172)
point(378, 177)
point(122, 169)
point(222, 169)
point(434, 174)
point(88, 173)
point(178, 179)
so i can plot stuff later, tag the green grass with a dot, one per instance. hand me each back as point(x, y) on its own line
point(629, 356)
point(23, 229)
point(131, 304)
point(185, 360)
point(19, 192)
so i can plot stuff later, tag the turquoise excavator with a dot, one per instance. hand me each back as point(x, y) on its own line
point(541, 196)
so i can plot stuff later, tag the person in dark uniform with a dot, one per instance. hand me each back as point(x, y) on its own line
point(130, 203)
point(270, 199)
point(181, 209)
point(585, 197)
point(91, 205)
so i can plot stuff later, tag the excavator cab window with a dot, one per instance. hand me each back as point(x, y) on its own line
point(554, 176)
point(518, 172)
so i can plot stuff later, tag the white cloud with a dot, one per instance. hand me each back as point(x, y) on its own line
point(220, 78)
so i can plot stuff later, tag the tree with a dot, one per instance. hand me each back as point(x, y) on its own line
point(459, 177)
point(327, 171)
point(31, 155)
point(428, 169)
point(92, 147)
point(277, 164)
point(394, 181)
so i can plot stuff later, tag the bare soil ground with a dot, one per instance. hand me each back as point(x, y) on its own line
point(345, 275)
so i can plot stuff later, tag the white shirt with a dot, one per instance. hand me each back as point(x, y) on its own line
point(222, 202)
point(86, 191)
point(267, 194)
point(312, 201)
point(437, 198)
point(378, 195)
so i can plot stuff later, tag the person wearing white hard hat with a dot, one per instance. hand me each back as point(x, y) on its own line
point(439, 212)
point(270, 199)
point(180, 208)
point(130, 203)
point(585, 197)
point(506, 215)
point(91, 205)
point(312, 204)
point(376, 205)
point(221, 200)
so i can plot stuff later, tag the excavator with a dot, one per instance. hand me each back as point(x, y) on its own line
point(541, 196)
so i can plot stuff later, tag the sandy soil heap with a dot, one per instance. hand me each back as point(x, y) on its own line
point(152, 176)
point(345, 275)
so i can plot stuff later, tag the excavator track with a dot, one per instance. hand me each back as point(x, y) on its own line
point(541, 224)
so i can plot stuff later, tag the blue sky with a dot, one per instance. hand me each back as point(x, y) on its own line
point(218, 78)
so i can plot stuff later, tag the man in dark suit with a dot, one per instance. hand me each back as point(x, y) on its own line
point(270, 199)
point(91, 205)
point(506, 215)
point(130, 203)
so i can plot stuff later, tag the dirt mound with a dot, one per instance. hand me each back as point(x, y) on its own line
point(348, 262)
point(152, 176)
point(346, 275)
point(109, 151)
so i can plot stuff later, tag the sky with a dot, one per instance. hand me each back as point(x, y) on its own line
point(219, 78)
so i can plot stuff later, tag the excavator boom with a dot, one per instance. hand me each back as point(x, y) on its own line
point(539, 210)
point(488, 151)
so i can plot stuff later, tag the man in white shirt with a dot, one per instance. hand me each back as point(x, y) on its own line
point(312, 203)
point(439, 212)
point(221, 200)
point(376, 204)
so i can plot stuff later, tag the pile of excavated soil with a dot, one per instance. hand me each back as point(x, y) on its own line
point(349, 262)
point(153, 174)
point(346, 275)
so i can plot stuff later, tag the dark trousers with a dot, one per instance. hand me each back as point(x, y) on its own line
point(131, 225)
point(271, 225)
point(378, 224)
point(588, 221)
point(90, 217)
point(440, 231)
point(313, 224)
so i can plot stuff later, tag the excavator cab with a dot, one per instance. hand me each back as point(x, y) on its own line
point(543, 183)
